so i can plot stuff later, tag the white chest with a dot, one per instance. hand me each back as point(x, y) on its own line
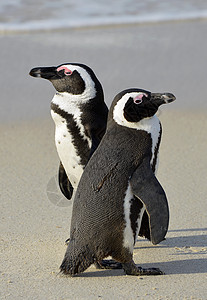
point(154, 128)
point(66, 150)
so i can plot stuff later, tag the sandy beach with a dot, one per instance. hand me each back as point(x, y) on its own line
point(35, 218)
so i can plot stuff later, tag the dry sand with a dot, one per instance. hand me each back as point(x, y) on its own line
point(35, 222)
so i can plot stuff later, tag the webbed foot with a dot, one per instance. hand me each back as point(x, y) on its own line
point(108, 264)
point(132, 269)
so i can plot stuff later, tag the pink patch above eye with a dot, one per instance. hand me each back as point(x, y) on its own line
point(66, 70)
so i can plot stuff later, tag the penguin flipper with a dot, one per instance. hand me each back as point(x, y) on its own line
point(95, 143)
point(64, 183)
point(147, 188)
point(96, 134)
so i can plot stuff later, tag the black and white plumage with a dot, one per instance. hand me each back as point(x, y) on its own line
point(80, 115)
point(118, 185)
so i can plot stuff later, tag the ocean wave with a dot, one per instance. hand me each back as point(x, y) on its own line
point(24, 15)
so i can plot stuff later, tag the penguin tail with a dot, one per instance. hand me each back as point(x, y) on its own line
point(76, 260)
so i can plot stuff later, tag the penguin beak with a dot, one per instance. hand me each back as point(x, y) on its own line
point(45, 72)
point(162, 98)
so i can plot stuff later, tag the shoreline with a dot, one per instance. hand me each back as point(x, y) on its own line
point(159, 58)
point(97, 26)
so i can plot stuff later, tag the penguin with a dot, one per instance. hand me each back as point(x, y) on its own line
point(80, 115)
point(118, 185)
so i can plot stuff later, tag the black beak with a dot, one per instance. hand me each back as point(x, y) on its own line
point(162, 98)
point(45, 72)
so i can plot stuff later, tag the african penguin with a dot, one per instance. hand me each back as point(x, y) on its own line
point(80, 115)
point(118, 185)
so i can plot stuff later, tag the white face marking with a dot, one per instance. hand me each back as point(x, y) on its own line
point(70, 103)
point(128, 233)
point(75, 100)
point(151, 125)
point(66, 150)
point(118, 113)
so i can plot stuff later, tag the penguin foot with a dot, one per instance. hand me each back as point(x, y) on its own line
point(108, 264)
point(132, 269)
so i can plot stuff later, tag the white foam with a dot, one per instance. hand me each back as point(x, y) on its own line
point(16, 15)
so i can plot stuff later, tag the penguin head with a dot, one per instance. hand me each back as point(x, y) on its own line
point(133, 105)
point(72, 78)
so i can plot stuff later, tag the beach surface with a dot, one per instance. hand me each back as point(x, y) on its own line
point(35, 217)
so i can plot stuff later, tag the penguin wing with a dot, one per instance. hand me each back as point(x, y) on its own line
point(147, 188)
point(64, 183)
point(96, 136)
point(95, 142)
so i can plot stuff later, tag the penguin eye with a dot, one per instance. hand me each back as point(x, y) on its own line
point(67, 71)
point(139, 98)
point(137, 101)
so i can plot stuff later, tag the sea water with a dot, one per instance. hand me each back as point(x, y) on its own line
point(29, 15)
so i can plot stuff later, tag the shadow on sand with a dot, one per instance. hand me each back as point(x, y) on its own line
point(180, 241)
point(173, 267)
